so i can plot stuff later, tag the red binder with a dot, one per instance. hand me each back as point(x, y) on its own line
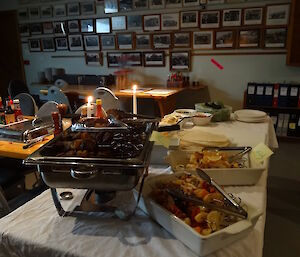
point(275, 96)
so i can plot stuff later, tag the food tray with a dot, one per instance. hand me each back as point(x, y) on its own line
point(201, 245)
point(249, 175)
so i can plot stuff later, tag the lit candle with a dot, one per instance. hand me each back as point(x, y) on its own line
point(134, 103)
point(90, 107)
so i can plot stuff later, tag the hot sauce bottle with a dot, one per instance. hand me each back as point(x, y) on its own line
point(9, 113)
point(18, 112)
point(99, 112)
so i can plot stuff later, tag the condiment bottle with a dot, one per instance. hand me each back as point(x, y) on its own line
point(83, 111)
point(99, 113)
point(9, 113)
point(2, 114)
point(17, 109)
point(57, 123)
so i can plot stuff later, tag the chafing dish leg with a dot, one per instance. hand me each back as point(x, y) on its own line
point(59, 208)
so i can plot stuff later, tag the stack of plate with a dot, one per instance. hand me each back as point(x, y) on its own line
point(247, 115)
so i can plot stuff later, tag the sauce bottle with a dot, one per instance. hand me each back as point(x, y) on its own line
point(99, 113)
point(17, 109)
point(9, 113)
point(2, 114)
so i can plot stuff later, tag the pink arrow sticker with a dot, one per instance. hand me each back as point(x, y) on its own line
point(216, 63)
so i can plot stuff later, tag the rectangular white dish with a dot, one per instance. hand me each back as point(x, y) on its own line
point(201, 245)
point(249, 175)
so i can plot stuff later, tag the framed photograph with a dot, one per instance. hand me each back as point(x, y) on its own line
point(151, 22)
point(133, 58)
point(189, 19)
point(275, 38)
point(36, 28)
point(34, 45)
point(180, 61)
point(140, 4)
point(73, 9)
point(24, 30)
point(114, 60)
point(154, 59)
point(232, 17)
point(224, 39)
point(118, 22)
point(59, 10)
point(87, 25)
point(61, 43)
point(190, 3)
point(203, 39)
point(142, 41)
point(48, 28)
point(253, 16)
point(212, 2)
point(87, 8)
point(161, 41)
point(173, 3)
point(125, 5)
point(73, 26)
point(91, 42)
point(108, 42)
point(75, 42)
point(95, 58)
point(34, 13)
point(181, 39)
point(125, 41)
point(23, 14)
point(170, 21)
point(46, 11)
point(124, 59)
point(135, 22)
point(210, 19)
point(278, 14)
point(48, 44)
point(249, 38)
point(111, 6)
point(156, 4)
point(59, 28)
point(103, 25)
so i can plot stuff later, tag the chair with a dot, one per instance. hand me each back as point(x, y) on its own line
point(109, 100)
point(27, 104)
point(55, 94)
point(46, 109)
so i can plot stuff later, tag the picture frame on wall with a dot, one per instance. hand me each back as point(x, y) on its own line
point(48, 44)
point(212, 2)
point(249, 38)
point(232, 17)
point(108, 42)
point(224, 39)
point(34, 45)
point(190, 3)
point(73, 9)
point(203, 40)
point(87, 26)
point(24, 30)
point(156, 4)
point(87, 8)
point(48, 28)
point(59, 28)
point(140, 4)
point(135, 22)
point(61, 43)
point(278, 14)
point(180, 61)
point(133, 58)
point(170, 21)
point(181, 39)
point(118, 59)
point(210, 19)
point(161, 41)
point(125, 40)
point(103, 25)
point(114, 60)
point(59, 10)
point(154, 59)
point(34, 13)
point(73, 26)
point(125, 5)
point(94, 58)
point(142, 41)
point(118, 22)
point(111, 6)
point(173, 3)
point(46, 11)
point(75, 42)
point(189, 19)
point(23, 14)
point(275, 38)
point(91, 42)
point(151, 22)
point(253, 16)
point(36, 28)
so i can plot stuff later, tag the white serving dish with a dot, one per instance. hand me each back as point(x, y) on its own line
point(249, 175)
point(202, 118)
point(185, 112)
point(201, 245)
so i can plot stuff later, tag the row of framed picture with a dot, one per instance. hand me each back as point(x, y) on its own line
point(276, 15)
point(179, 60)
point(222, 39)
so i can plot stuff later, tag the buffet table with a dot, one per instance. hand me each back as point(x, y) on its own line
point(35, 229)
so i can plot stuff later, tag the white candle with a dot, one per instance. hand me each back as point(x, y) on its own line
point(134, 101)
point(90, 107)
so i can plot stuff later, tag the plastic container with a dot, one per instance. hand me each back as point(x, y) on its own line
point(221, 114)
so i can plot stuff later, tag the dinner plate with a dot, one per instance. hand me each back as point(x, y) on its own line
point(251, 114)
point(250, 120)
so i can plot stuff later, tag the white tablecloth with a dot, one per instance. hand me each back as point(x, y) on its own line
point(35, 229)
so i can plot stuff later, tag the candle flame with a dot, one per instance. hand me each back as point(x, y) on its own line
point(90, 99)
point(134, 87)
